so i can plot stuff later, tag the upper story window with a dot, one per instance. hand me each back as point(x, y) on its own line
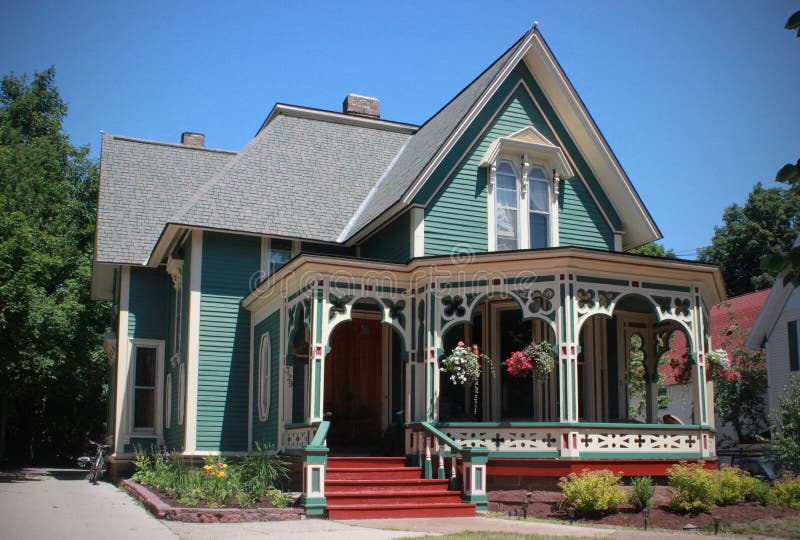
point(524, 171)
point(539, 207)
point(506, 207)
point(279, 253)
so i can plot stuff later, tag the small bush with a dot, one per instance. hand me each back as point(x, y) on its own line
point(692, 488)
point(787, 491)
point(641, 496)
point(729, 485)
point(219, 482)
point(592, 492)
point(757, 491)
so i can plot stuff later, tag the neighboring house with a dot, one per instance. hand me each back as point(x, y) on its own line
point(776, 330)
point(731, 322)
point(299, 293)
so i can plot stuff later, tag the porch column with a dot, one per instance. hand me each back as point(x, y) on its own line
point(567, 350)
point(703, 410)
point(316, 361)
point(433, 344)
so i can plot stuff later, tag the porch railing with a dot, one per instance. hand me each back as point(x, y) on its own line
point(297, 436)
point(424, 440)
point(586, 440)
point(314, 455)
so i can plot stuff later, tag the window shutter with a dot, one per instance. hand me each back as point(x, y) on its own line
point(794, 360)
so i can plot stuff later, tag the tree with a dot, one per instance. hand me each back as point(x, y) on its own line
point(653, 249)
point(785, 426)
point(766, 224)
point(51, 361)
point(740, 389)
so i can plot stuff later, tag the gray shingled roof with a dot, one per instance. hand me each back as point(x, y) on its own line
point(300, 177)
point(424, 146)
point(141, 184)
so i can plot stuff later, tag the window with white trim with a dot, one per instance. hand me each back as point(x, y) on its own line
point(264, 361)
point(168, 401)
point(181, 392)
point(506, 207)
point(539, 208)
point(144, 387)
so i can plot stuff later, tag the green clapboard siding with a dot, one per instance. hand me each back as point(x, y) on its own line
point(327, 249)
point(456, 218)
point(391, 243)
point(266, 433)
point(229, 264)
point(148, 308)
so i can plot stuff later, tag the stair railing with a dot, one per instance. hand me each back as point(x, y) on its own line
point(423, 440)
point(315, 463)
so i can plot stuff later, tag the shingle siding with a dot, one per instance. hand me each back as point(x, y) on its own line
point(229, 264)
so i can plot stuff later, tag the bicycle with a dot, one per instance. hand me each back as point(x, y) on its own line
point(98, 462)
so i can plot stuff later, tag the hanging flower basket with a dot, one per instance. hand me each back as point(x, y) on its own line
point(464, 364)
point(718, 363)
point(536, 360)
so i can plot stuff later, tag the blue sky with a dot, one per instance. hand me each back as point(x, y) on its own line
point(699, 100)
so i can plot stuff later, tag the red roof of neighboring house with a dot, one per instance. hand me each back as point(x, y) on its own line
point(744, 308)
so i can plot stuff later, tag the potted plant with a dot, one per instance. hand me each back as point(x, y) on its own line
point(537, 360)
point(464, 365)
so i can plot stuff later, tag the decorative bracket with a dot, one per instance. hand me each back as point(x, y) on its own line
point(526, 165)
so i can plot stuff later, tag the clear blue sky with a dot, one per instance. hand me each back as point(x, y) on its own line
point(699, 100)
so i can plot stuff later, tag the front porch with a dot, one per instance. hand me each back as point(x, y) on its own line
point(360, 344)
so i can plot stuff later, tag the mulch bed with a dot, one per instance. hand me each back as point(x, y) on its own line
point(547, 505)
point(165, 507)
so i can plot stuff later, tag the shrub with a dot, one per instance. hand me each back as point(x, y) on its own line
point(592, 492)
point(219, 482)
point(641, 496)
point(787, 491)
point(758, 491)
point(729, 485)
point(785, 426)
point(692, 488)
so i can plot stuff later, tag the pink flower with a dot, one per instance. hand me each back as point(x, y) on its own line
point(460, 343)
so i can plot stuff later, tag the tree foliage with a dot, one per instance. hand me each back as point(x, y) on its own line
point(785, 426)
point(51, 361)
point(653, 249)
point(766, 224)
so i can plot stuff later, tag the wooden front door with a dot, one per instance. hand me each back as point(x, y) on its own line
point(353, 384)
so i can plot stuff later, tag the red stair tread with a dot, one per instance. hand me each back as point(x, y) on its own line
point(357, 511)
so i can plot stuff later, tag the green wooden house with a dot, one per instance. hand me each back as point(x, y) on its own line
point(300, 293)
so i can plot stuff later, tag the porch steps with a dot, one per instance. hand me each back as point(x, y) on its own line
point(380, 487)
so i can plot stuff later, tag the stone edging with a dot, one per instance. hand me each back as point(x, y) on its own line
point(162, 510)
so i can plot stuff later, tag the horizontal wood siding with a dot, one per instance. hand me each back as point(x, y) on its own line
point(148, 308)
point(456, 218)
point(266, 433)
point(229, 263)
point(392, 243)
point(327, 249)
point(580, 222)
point(174, 437)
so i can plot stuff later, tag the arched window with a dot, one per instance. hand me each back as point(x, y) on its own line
point(264, 357)
point(168, 402)
point(181, 392)
point(539, 207)
point(505, 212)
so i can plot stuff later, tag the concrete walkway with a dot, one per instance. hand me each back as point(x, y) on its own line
point(49, 504)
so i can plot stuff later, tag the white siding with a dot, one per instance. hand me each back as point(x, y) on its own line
point(778, 350)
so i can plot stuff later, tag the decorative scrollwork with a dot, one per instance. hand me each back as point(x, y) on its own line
point(338, 304)
point(540, 300)
point(682, 306)
point(664, 303)
point(585, 298)
point(605, 298)
point(396, 310)
point(454, 306)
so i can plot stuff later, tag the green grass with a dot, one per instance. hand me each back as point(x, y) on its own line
point(782, 527)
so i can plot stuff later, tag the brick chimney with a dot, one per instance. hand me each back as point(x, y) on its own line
point(193, 139)
point(356, 105)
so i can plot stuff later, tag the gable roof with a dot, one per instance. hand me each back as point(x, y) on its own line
point(437, 136)
point(141, 184)
point(302, 176)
